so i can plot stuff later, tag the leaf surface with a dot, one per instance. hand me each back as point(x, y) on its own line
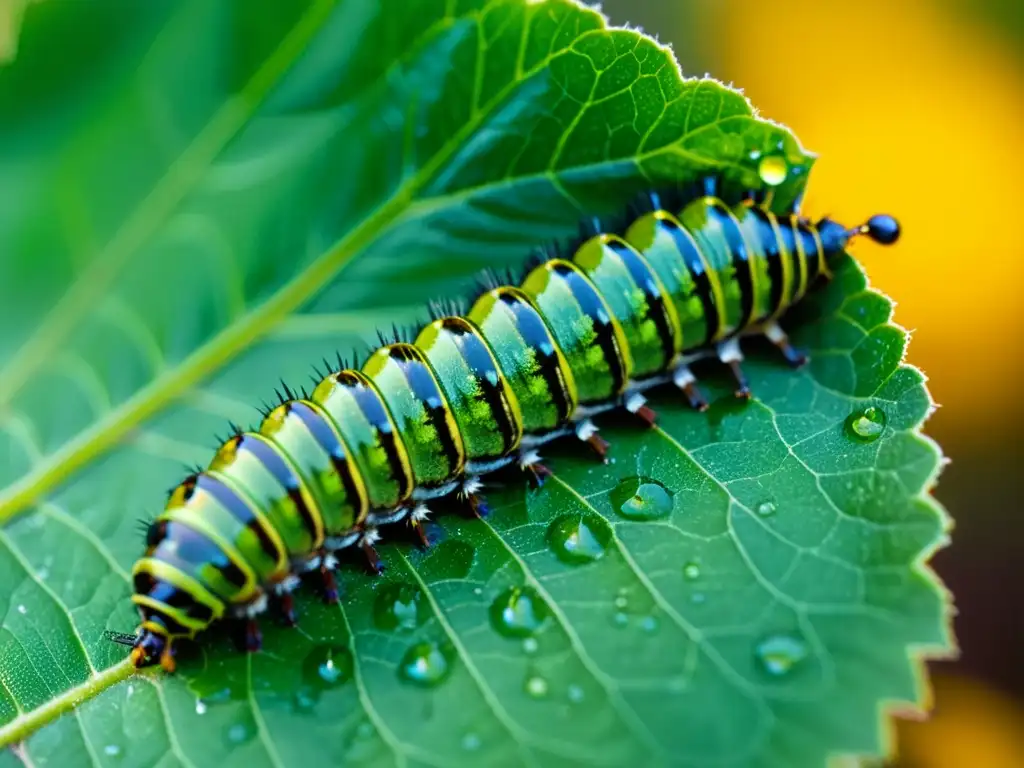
point(188, 228)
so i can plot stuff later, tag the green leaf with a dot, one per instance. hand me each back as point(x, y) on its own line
point(206, 196)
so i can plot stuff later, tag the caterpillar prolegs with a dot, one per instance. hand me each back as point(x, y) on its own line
point(583, 332)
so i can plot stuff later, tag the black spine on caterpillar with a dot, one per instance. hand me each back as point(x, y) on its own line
point(587, 329)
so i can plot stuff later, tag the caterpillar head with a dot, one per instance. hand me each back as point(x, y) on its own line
point(152, 646)
point(881, 228)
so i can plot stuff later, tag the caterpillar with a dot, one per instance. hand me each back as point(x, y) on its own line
point(584, 331)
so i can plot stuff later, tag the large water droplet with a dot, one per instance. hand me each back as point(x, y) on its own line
point(327, 666)
point(426, 664)
point(577, 538)
point(867, 424)
point(773, 169)
point(766, 508)
point(519, 612)
point(641, 498)
point(537, 687)
point(691, 571)
point(778, 654)
point(399, 606)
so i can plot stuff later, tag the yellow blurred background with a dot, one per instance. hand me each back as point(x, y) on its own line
point(916, 107)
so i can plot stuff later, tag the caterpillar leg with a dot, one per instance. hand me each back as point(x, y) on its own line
point(469, 494)
point(330, 585)
point(253, 636)
point(683, 378)
point(774, 333)
point(730, 354)
point(373, 560)
point(529, 461)
point(586, 431)
point(637, 404)
point(417, 519)
point(285, 601)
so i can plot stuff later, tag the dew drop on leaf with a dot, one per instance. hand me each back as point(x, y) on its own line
point(579, 538)
point(530, 646)
point(112, 750)
point(866, 425)
point(200, 707)
point(425, 664)
point(620, 619)
point(237, 733)
point(519, 612)
point(537, 687)
point(778, 654)
point(649, 624)
point(697, 598)
point(766, 508)
point(641, 498)
point(621, 602)
point(575, 694)
point(773, 170)
point(398, 606)
point(327, 666)
point(691, 571)
point(471, 742)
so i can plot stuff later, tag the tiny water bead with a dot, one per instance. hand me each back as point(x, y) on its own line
point(766, 508)
point(620, 619)
point(579, 538)
point(426, 664)
point(649, 624)
point(327, 666)
point(238, 733)
point(200, 707)
point(575, 694)
point(641, 498)
point(691, 571)
point(399, 606)
point(867, 424)
point(112, 750)
point(471, 742)
point(530, 646)
point(537, 687)
point(773, 170)
point(519, 612)
point(778, 654)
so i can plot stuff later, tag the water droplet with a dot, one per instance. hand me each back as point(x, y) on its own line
point(399, 606)
point(471, 742)
point(579, 538)
point(477, 591)
point(530, 646)
point(237, 733)
point(22, 610)
point(697, 598)
point(130, 691)
point(112, 749)
point(766, 508)
point(327, 666)
point(691, 571)
point(866, 425)
point(200, 707)
point(620, 619)
point(575, 694)
point(773, 170)
point(365, 729)
point(519, 611)
point(649, 624)
point(425, 664)
point(778, 654)
point(621, 601)
point(641, 498)
point(755, 154)
point(537, 687)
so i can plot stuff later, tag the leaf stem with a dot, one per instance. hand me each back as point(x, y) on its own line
point(26, 723)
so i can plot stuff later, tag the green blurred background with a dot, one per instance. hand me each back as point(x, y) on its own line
point(916, 107)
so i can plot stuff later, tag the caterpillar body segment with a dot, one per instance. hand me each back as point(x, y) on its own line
point(582, 333)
